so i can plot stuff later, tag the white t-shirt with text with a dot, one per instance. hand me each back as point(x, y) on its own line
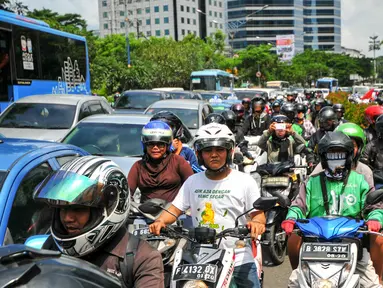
point(217, 203)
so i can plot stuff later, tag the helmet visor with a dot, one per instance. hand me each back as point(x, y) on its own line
point(63, 188)
point(208, 143)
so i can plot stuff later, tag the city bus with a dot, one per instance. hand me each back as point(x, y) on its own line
point(36, 59)
point(328, 83)
point(211, 80)
point(280, 85)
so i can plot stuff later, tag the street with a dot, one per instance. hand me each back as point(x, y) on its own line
point(277, 276)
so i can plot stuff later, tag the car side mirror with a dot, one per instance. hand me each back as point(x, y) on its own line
point(265, 203)
point(36, 241)
point(374, 197)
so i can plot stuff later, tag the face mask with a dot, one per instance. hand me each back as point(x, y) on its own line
point(336, 166)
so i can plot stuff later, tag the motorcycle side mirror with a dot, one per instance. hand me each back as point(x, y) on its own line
point(265, 203)
point(36, 241)
point(300, 148)
point(152, 206)
point(374, 197)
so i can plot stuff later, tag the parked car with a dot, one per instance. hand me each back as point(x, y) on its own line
point(136, 101)
point(25, 163)
point(116, 137)
point(49, 117)
point(191, 112)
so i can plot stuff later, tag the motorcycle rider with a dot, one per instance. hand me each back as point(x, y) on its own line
point(280, 141)
point(90, 200)
point(289, 110)
point(339, 110)
point(259, 121)
point(316, 106)
point(371, 114)
point(234, 191)
point(300, 119)
point(336, 152)
point(246, 102)
point(290, 97)
point(177, 147)
point(373, 154)
point(160, 173)
point(239, 111)
point(276, 108)
point(214, 118)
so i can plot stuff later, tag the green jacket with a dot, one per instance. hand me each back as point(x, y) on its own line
point(309, 203)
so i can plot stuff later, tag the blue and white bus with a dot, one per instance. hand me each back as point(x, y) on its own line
point(211, 80)
point(36, 59)
point(328, 83)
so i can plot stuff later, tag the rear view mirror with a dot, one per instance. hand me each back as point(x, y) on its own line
point(36, 241)
point(265, 203)
point(152, 206)
point(374, 197)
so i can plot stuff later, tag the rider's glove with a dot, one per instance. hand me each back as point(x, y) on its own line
point(288, 226)
point(374, 225)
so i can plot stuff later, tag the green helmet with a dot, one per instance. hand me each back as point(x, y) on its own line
point(355, 132)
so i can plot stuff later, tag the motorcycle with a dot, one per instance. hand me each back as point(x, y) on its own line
point(278, 179)
point(202, 263)
point(331, 247)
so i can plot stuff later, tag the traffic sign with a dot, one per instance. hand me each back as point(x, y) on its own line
point(258, 74)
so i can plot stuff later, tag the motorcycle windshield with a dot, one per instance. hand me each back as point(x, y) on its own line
point(330, 227)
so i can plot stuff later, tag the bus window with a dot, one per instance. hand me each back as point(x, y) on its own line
point(26, 45)
point(5, 72)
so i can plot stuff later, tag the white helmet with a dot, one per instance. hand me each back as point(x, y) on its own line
point(214, 135)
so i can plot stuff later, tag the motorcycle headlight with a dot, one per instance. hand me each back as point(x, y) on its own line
point(323, 283)
point(195, 284)
point(345, 273)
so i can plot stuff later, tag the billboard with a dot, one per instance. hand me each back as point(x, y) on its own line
point(285, 47)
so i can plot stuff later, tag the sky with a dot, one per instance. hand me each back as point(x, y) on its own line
point(360, 18)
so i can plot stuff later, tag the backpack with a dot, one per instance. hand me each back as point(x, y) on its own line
point(126, 266)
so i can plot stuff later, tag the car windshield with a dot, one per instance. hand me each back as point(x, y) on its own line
point(39, 116)
point(208, 96)
point(361, 90)
point(188, 116)
point(247, 94)
point(181, 95)
point(137, 100)
point(107, 139)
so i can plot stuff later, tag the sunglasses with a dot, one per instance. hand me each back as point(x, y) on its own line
point(160, 145)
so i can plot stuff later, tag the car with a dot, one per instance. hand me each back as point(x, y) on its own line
point(191, 112)
point(250, 93)
point(207, 96)
point(185, 95)
point(26, 163)
point(49, 117)
point(116, 137)
point(136, 101)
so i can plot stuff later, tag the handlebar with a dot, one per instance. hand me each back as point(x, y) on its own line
point(234, 232)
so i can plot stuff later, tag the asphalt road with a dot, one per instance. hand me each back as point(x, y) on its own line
point(277, 276)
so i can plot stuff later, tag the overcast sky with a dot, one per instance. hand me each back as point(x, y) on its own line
point(360, 18)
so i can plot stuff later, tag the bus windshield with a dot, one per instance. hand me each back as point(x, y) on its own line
point(324, 84)
point(207, 83)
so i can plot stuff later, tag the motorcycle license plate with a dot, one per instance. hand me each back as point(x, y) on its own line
point(141, 232)
point(326, 251)
point(206, 272)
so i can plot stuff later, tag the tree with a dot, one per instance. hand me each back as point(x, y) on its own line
point(4, 5)
point(18, 7)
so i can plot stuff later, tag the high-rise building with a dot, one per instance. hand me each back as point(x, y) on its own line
point(173, 18)
point(314, 23)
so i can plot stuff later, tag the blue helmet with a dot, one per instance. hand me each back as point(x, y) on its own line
point(156, 131)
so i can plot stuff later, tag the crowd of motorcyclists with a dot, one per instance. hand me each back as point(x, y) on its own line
point(91, 197)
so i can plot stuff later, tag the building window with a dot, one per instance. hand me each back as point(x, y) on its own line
point(188, 31)
point(220, 14)
point(210, 13)
point(188, 9)
point(215, 3)
point(166, 20)
point(122, 2)
point(211, 24)
point(183, 31)
point(106, 26)
point(104, 3)
point(158, 33)
point(182, 8)
point(215, 14)
point(194, 22)
point(130, 12)
point(157, 21)
point(167, 33)
point(139, 11)
point(193, 10)
point(122, 13)
point(148, 21)
point(122, 24)
point(210, 2)
point(220, 4)
point(182, 20)
point(147, 10)
point(221, 26)
point(216, 25)
point(148, 33)
point(105, 14)
point(156, 9)
point(188, 20)
point(139, 22)
point(166, 8)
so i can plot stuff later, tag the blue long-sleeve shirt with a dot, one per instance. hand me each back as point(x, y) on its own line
point(189, 156)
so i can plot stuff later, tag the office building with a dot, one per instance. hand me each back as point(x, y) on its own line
point(159, 18)
point(314, 23)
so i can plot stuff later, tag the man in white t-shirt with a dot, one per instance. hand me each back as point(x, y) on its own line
point(217, 196)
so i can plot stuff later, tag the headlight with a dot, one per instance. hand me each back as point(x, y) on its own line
point(195, 284)
point(323, 283)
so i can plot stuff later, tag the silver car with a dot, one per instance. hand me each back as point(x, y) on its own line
point(116, 137)
point(191, 112)
point(49, 117)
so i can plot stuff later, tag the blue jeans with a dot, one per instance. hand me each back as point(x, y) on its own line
point(245, 276)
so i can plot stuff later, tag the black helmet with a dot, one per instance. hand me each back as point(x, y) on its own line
point(338, 108)
point(280, 118)
point(300, 108)
point(230, 118)
point(172, 120)
point(276, 104)
point(288, 109)
point(338, 164)
point(37, 268)
point(328, 119)
point(379, 126)
point(320, 102)
point(258, 101)
point(215, 118)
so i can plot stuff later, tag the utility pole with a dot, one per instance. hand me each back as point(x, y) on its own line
point(374, 45)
